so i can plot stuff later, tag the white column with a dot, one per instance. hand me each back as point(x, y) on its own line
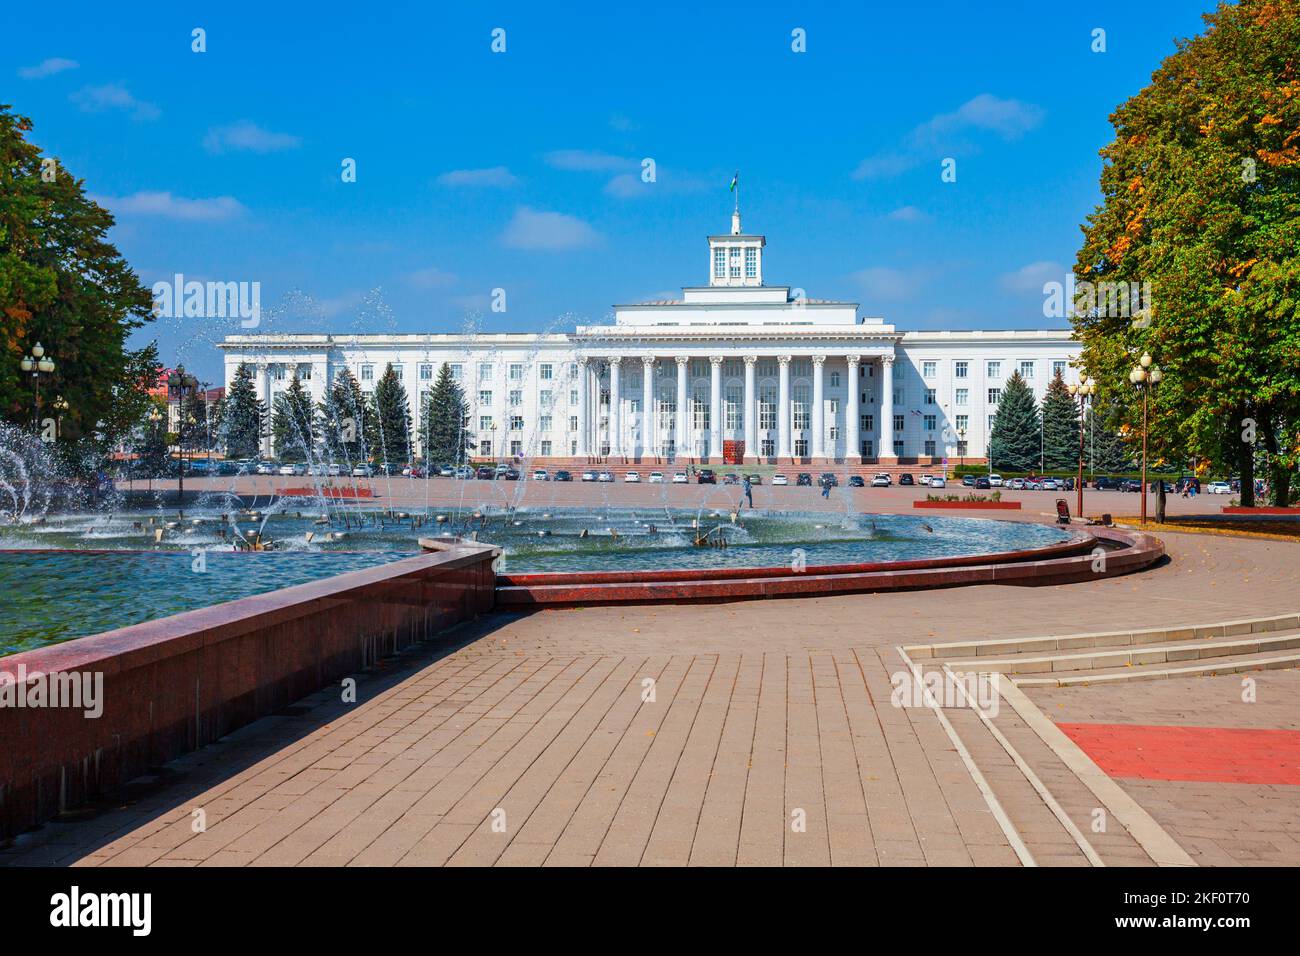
point(683, 413)
point(615, 431)
point(818, 409)
point(852, 417)
point(783, 408)
point(715, 407)
point(751, 419)
point(647, 404)
point(886, 408)
point(583, 416)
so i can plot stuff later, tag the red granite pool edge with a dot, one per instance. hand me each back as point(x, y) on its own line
point(1135, 551)
point(175, 684)
point(969, 505)
point(1084, 543)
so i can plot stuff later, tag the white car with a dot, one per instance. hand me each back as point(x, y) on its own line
point(780, 480)
point(926, 479)
point(334, 471)
point(1047, 484)
point(589, 475)
point(938, 482)
point(605, 476)
point(265, 468)
point(541, 475)
point(362, 471)
point(632, 477)
point(679, 478)
point(1218, 488)
point(881, 480)
point(656, 478)
point(995, 481)
point(289, 470)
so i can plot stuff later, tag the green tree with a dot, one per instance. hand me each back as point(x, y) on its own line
point(1060, 426)
point(63, 284)
point(150, 445)
point(1016, 442)
point(243, 416)
point(445, 418)
point(393, 419)
point(347, 421)
point(293, 423)
point(1105, 449)
point(1201, 202)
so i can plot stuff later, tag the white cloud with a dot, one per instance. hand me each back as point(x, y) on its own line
point(247, 136)
point(547, 231)
point(985, 113)
point(1031, 278)
point(494, 176)
point(430, 278)
point(628, 186)
point(909, 214)
point(588, 161)
point(55, 64)
point(113, 96)
point(166, 206)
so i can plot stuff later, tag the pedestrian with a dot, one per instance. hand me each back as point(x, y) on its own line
point(749, 492)
point(826, 488)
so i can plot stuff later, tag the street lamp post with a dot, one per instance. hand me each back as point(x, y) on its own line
point(1083, 389)
point(154, 419)
point(181, 383)
point(37, 364)
point(961, 447)
point(1145, 375)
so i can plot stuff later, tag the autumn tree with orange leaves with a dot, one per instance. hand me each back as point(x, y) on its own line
point(1201, 190)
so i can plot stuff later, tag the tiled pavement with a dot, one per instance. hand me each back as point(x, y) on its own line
point(767, 737)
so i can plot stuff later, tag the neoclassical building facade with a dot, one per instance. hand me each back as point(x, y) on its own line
point(735, 371)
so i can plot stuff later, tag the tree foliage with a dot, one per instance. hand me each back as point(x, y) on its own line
point(1016, 441)
point(1201, 190)
point(393, 419)
point(445, 419)
point(1060, 426)
point(293, 423)
point(243, 416)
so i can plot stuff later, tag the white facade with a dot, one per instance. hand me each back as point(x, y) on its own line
point(760, 371)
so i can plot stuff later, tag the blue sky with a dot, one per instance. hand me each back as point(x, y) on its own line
point(521, 170)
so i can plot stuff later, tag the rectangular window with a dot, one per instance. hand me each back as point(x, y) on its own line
point(929, 447)
point(929, 396)
point(544, 423)
point(484, 422)
point(485, 396)
point(426, 372)
point(516, 372)
point(545, 371)
point(516, 398)
point(868, 448)
point(516, 423)
point(929, 369)
point(1058, 368)
point(751, 263)
point(801, 448)
point(994, 369)
point(546, 449)
point(960, 369)
point(516, 448)
point(963, 396)
point(868, 422)
point(367, 373)
point(573, 423)
point(735, 262)
point(995, 395)
point(900, 423)
point(963, 422)
point(485, 448)
point(719, 262)
point(485, 371)
point(930, 421)
point(304, 373)
point(835, 379)
point(799, 407)
point(731, 403)
point(397, 371)
point(1027, 369)
point(767, 409)
point(545, 398)
point(573, 396)
point(457, 371)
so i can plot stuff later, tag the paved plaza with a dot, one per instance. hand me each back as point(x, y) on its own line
point(750, 733)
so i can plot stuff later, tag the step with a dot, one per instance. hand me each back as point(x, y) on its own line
point(1226, 665)
point(1163, 653)
point(1023, 645)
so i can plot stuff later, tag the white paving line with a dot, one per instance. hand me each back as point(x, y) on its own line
point(1046, 795)
point(999, 814)
point(1154, 840)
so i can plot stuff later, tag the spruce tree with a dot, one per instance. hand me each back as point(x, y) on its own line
point(293, 424)
point(150, 446)
point(1016, 441)
point(243, 416)
point(393, 418)
point(348, 426)
point(445, 417)
point(1060, 426)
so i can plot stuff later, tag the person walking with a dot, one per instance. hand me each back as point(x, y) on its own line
point(826, 488)
point(749, 492)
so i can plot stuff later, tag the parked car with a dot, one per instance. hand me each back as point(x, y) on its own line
point(983, 483)
point(563, 476)
point(541, 474)
point(656, 478)
point(605, 476)
point(731, 478)
point(705, 476)
point(1017, 484)
point(632, 477)
point(446, 471)
point(265, 468)
point(415, 471)
point(362, 471)
point(1218, 488)
point(855, 481)
point(780, 480)
point(680, 478)
point(905, 479)
point(464, 472)
point(1131, 484)
point(755, 479)
point(938, 481)
point(968, 481)
point(1106, 484)
point(1033, 484)
point(334, 469)
point(882, 480)
point(590, 475)
point(512, 474)
point(995, 481)
point(803, 478)
point(925, 479)
point(485, 473)
point(289, 470)
point(1049, 484)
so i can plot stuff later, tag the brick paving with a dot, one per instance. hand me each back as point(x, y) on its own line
point(755, 733)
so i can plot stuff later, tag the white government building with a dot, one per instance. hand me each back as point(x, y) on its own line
point(733, 371)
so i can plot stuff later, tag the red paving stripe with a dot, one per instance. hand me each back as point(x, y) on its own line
point(1207, 754)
